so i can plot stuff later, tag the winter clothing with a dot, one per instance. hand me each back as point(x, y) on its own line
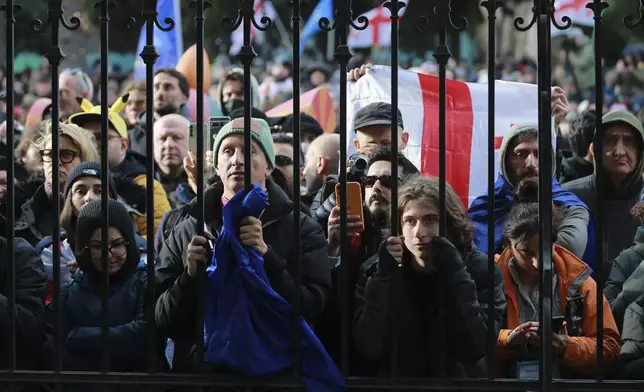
point(81, 301)
point(626, 280)
point(247, 324)
point(30, 291)
point(573, 276)
point(261, 134)
point(138, 133)
point(35, 217)
point(238, 74)
point(574, 232)
point(620, 225)
point(461, 279)
point(89, 169)
point(632, 353)
point(573, 168)
point(175, 308)
point(132, 169)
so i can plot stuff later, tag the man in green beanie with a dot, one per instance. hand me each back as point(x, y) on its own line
point(622, 141)
point(184, 256)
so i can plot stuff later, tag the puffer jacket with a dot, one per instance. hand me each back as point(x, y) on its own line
point(626, 280)
point(133, 169)
point(176, 306)
point(82, 321)
point(632, 352)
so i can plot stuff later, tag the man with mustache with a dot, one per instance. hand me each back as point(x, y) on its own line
point(377, 184)
point(622, 143)
point(519, 161)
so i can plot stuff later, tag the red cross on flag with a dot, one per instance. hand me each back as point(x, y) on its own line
point(378, 33)
point(466, 120)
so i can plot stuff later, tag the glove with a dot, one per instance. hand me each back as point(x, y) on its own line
point(446, 257)
point(386, 262)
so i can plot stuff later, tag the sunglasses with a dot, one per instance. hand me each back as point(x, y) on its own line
point(386, 181)
point(65, 156)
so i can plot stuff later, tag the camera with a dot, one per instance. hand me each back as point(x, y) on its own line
point(358, 164)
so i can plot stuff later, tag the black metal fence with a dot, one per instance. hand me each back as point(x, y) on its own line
point(441, 21)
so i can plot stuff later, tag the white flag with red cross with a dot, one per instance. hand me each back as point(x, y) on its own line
point(576, 10)
point(378, 32)
point(466, 122)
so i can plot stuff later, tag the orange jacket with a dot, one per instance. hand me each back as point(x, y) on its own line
point(581, 351)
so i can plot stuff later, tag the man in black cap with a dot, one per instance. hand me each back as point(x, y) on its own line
point(372, 125)
point(310, 128)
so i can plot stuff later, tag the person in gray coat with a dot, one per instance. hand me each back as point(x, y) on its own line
point(622, 141)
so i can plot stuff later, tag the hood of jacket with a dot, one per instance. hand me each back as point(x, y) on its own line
point(238, 73)
point(514, 131)
point(633, 183)
point(279, 204)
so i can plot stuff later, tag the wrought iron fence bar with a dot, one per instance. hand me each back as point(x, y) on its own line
point(247, 55)
point(105, 277)
point(200, 6)
point(297, 305)
point(10, 10)
point(55, 56)
point(491, 6)
point(544, 12)
point(601, 238)
point(149, 56)
point(394, 7)
point(342, 55)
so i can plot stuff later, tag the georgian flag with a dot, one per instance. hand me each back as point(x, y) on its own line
point(466, 119)
point(378, 32)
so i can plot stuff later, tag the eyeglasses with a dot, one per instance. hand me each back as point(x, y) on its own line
point(116, 249)
point(65, 156)
point(386, 181)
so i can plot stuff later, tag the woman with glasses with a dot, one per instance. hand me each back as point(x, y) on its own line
point(83, 186)
point(81, 298)
point(35, 217)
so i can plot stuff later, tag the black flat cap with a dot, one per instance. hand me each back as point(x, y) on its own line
point(377, 113)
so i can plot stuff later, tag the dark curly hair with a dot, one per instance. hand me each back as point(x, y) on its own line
point(522, 223)
point(459, 227)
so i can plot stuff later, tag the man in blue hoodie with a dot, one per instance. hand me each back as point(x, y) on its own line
point(519, 166)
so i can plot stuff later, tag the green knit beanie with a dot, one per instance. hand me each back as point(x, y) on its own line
point(260, 133)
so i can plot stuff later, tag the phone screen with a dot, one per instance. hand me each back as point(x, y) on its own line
point(215, 124)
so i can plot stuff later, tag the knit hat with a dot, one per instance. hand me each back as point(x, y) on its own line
point(93, 113)
point(89, 220)
point(89, 169)
point(260, 133)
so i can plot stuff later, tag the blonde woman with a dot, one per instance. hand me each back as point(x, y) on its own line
point(36, 216)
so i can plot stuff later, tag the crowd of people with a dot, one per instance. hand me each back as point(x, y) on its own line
point(438, 288)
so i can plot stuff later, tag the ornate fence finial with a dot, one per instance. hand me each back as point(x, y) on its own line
point(629, 20)
point(444, 18)
point(518, 21)
point(55, 12)
point(16, 8)
point(491, 13)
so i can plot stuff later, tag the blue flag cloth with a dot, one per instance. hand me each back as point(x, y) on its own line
point(248, 326)
point(503, 203)
point(324, 9)
point(169, 45)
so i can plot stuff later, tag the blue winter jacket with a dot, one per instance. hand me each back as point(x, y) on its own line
point(81, 309)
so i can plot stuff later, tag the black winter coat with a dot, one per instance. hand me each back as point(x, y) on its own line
point(175, 308)
point(465, 291)
point(31, 290)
